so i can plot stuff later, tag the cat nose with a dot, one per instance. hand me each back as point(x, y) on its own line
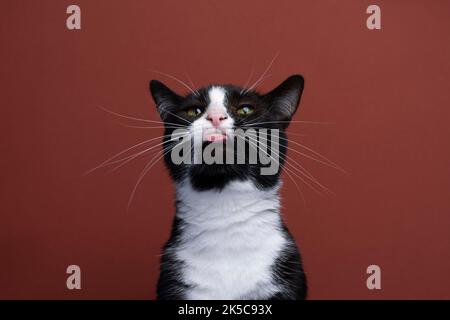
point(216, 118)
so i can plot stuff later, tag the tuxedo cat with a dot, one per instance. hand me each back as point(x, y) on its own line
point(228, 240)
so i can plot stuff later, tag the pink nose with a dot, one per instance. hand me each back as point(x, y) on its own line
point(216, 118)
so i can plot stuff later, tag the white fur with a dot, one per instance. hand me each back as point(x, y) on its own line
point(217, 97)
point(217, 100)
point(230, 240)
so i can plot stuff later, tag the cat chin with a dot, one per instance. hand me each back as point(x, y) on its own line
point(205, 177)
point(216, 176)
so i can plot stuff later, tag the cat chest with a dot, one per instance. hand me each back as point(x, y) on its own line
point(232, 262)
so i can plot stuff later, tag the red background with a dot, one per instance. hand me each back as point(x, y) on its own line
point(385, 91)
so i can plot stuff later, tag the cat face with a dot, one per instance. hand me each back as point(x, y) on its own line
point(211, 116)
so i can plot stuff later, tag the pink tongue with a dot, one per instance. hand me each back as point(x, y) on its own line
point(215, 137)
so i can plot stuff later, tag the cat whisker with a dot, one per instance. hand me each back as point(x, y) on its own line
point(324, 160)
point(290, 121)
point(258, 82)
point(309, 175)
point(177, 80)
point(146, 169)
point(298, 188)
point(318, 154)
point(254, 142)
point(303, 171)
point(123, 152)
point(129, 117)
point(287, 171)
point(142, 174)
point(132, 157)
point(263, 74)
point(298, 134)
point(177, 116)
point(191, 82)
point(249, 78)
point(148, 127)
point(295, 169)
point(303, 180)
point(148, 121)
point(267, 128)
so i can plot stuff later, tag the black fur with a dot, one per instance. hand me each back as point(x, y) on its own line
point(288, 270)
point(275, 109)
point(170, 285)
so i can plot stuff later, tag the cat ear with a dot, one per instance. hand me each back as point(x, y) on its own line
point(164, 97)
point(284, 99)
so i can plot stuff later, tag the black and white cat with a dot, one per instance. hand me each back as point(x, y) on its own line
point(228, 240)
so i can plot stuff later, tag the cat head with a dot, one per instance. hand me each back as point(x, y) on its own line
point(212, 117)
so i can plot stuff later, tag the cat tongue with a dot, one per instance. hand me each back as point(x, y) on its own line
point(213, 137)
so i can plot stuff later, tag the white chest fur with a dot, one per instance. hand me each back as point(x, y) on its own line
point(229, 241)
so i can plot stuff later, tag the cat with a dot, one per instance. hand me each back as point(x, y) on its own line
point(228, 240)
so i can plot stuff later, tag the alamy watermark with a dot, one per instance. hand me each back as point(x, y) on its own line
point(249, 146)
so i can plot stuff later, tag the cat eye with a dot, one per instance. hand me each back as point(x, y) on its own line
point(245, 110)
point(194, 111)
